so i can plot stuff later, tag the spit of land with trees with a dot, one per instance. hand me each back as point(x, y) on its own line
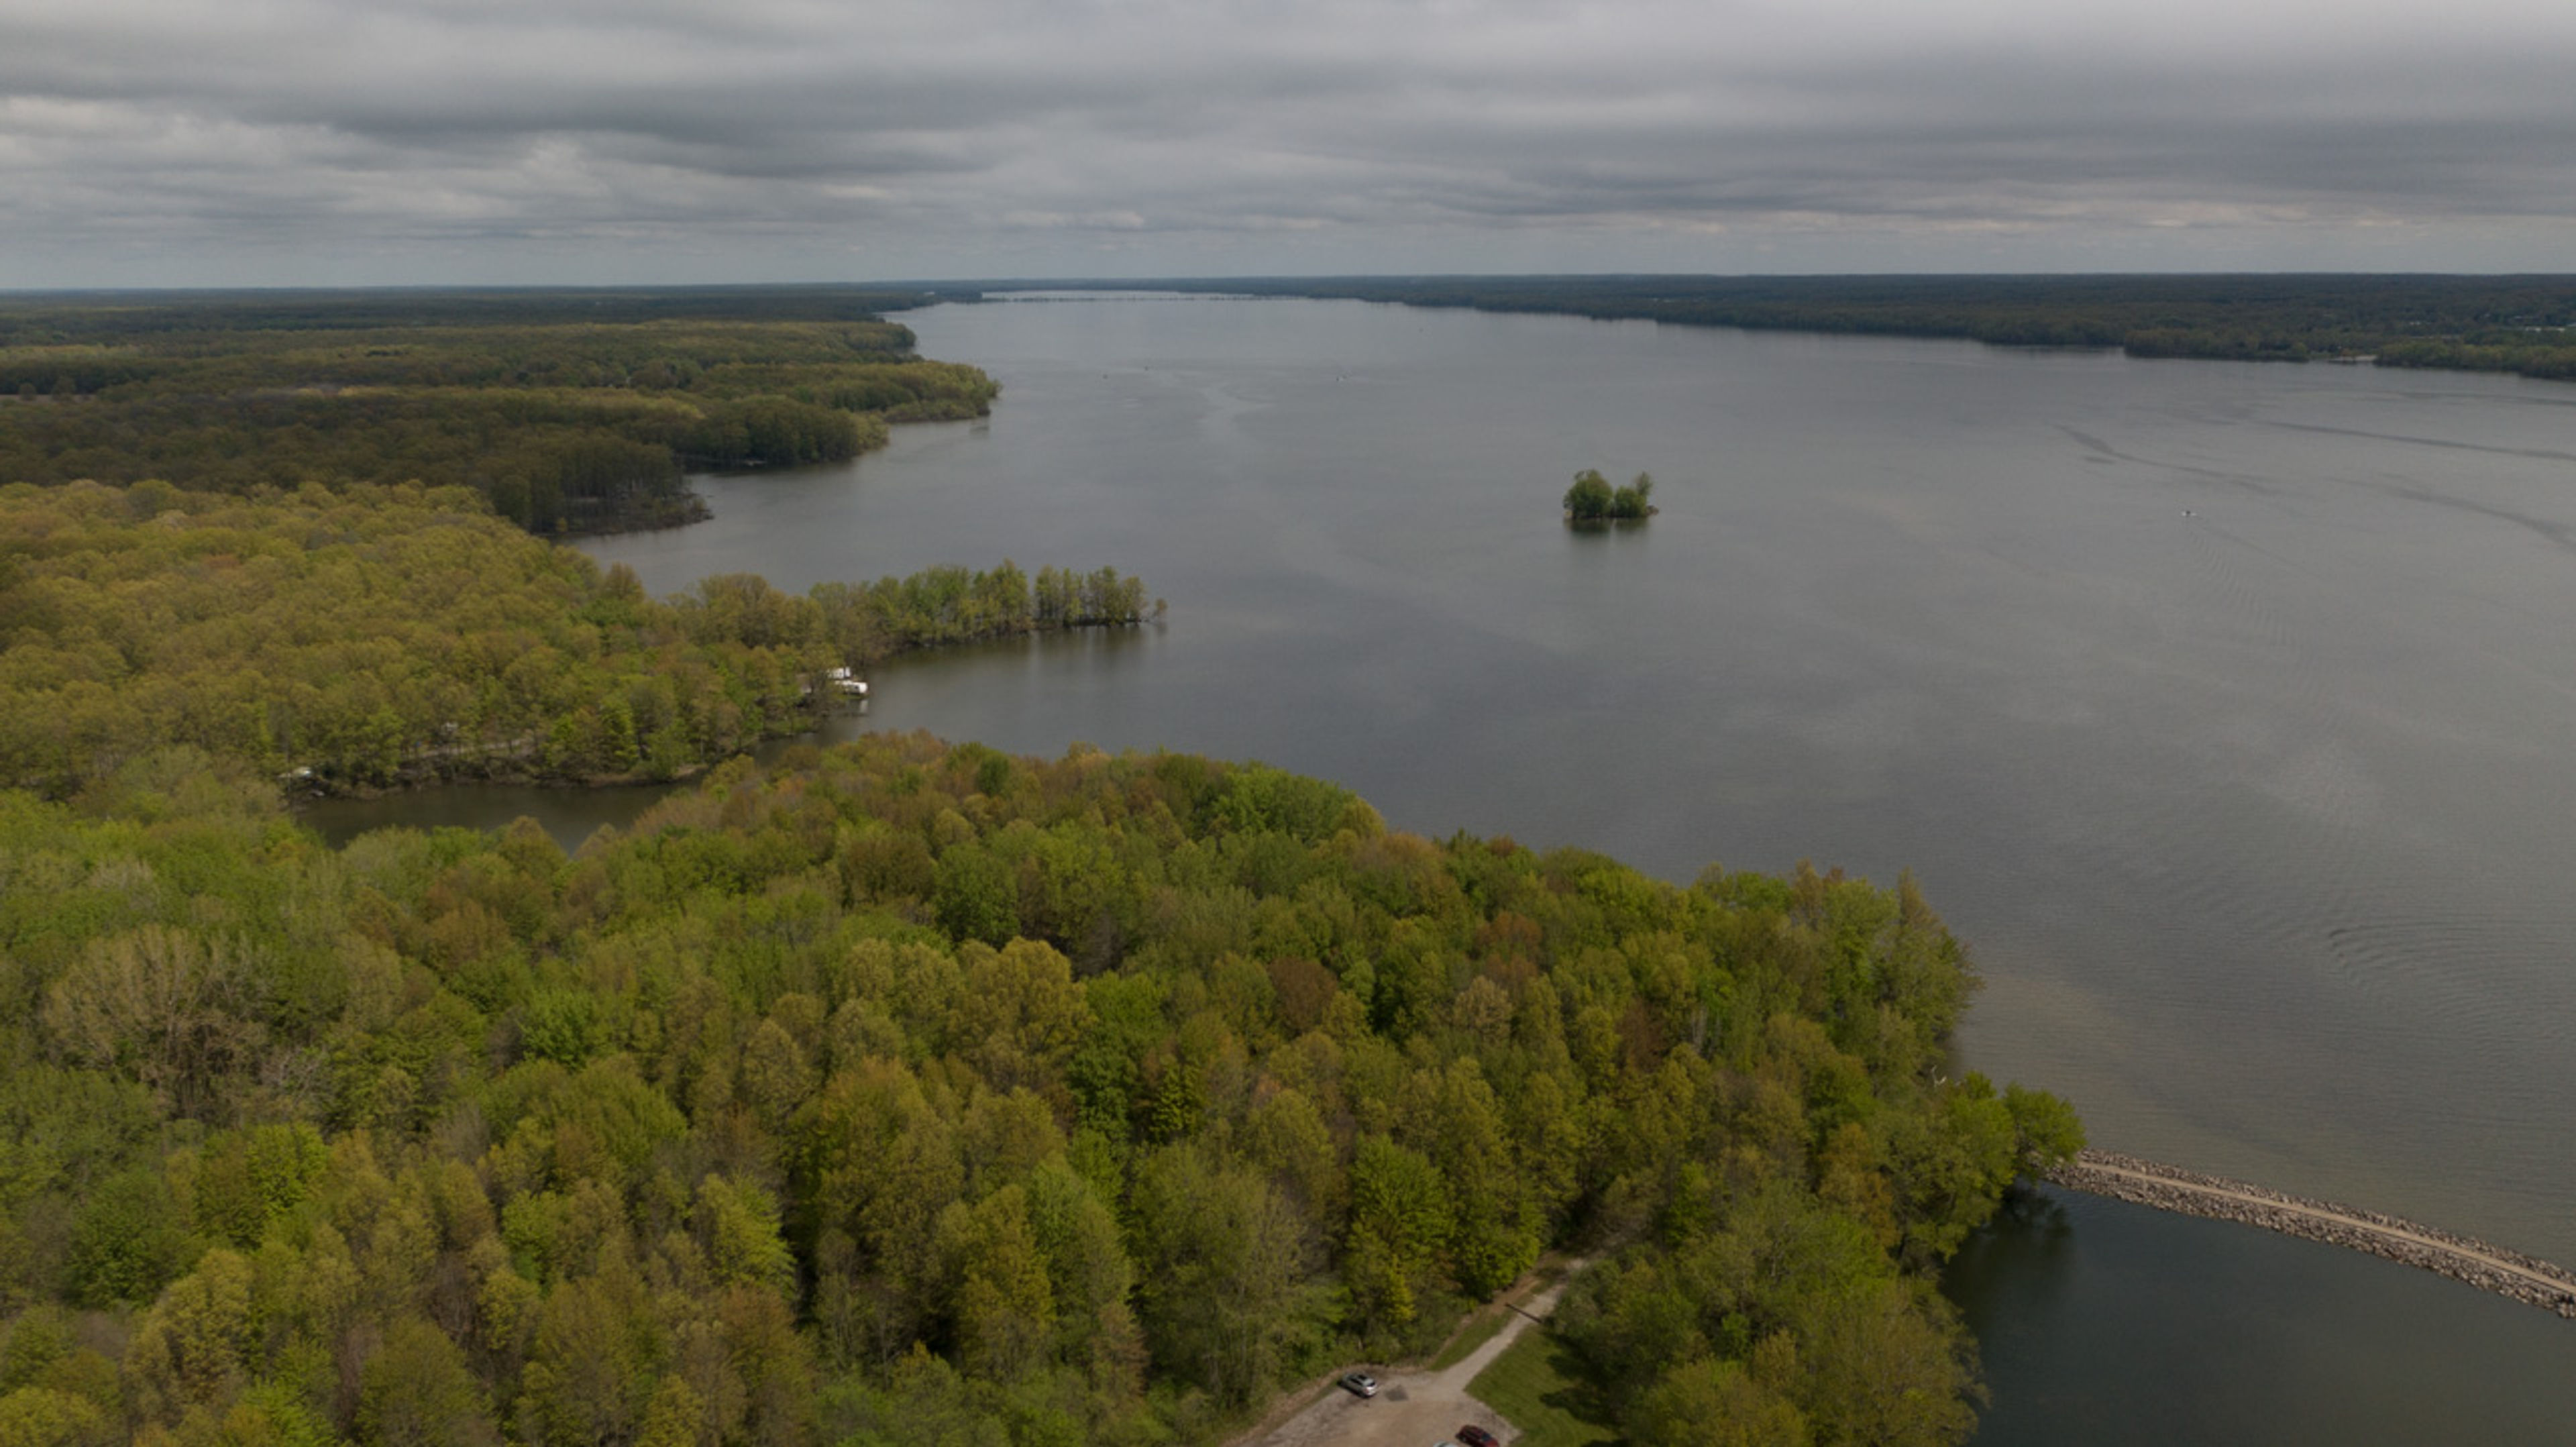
point(377, 636)
point(568, 411)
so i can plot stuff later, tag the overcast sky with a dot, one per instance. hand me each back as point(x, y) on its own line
point(175, 142)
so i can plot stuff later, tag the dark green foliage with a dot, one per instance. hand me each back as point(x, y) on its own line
point(1589, 498)
point(1592, 499)
point(772, 432)
point(976, 896)
point(29, 319)
point(566, 411)
point(918, 1094)
point(416, 1391)
point(127, 1241)
point(2045, 1128)
point(2524, 324)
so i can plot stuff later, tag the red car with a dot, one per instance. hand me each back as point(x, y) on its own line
point(1475, 1436)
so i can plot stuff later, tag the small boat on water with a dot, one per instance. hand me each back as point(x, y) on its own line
point(848, 681)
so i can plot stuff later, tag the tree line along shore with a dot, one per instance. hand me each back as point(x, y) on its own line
point(371, 637)
point(2519, 324)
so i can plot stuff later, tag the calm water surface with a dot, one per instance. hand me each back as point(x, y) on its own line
point(2228, 711)
point(2110, 1325)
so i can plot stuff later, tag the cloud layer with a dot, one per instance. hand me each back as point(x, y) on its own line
point(281, 141)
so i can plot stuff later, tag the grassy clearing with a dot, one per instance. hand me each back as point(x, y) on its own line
point(1478, 1330)
point(1534, 1384)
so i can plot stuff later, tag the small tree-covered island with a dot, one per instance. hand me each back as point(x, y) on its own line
point(1593, 500)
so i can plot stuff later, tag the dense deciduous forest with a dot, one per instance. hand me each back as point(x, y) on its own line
point(382, 635)
point(569, 411)
point(912, 1093)
point(2522, 324)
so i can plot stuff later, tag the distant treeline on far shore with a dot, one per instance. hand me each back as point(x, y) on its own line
point(2521, 324)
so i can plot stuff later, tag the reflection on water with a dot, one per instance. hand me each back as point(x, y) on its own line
point(2228, 710)
point(2107, 1323)
point(570, 815)
point(1029, 679)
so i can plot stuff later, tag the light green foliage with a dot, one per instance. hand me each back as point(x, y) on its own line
point(383, 635)
point(192, 1345)
point(1495, 1232)
point(1263, 800)
point(677, 1417)
point(918, 1094)
point(1707, 1403)
point(1949, 1166)
point(740, 1225)
point(44, 1417)
point(1019, 1014)
point(1003, 1301)
point(1824, 1323)
point(1402, 1217)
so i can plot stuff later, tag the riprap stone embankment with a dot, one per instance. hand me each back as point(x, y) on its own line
point(2461, 1258)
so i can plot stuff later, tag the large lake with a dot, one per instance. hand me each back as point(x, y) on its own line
point(2228, 711)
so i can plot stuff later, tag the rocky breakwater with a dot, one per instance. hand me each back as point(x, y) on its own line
point(2461, 1258)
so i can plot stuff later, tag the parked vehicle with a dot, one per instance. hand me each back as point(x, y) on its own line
point(1360, 1384)
point(1475, 1436)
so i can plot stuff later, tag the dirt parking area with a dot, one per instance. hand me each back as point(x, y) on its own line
point(1413, 1409)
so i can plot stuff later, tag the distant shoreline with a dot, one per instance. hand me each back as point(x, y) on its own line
point(2522, 325)
point(2464, 1259)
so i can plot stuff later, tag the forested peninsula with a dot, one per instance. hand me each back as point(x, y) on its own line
point(371, 637)
point(569, 411)
point(900, 1093)
point(912, 1093)
point(2519, 324)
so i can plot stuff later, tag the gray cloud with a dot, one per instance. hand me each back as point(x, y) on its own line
point(295, 140)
